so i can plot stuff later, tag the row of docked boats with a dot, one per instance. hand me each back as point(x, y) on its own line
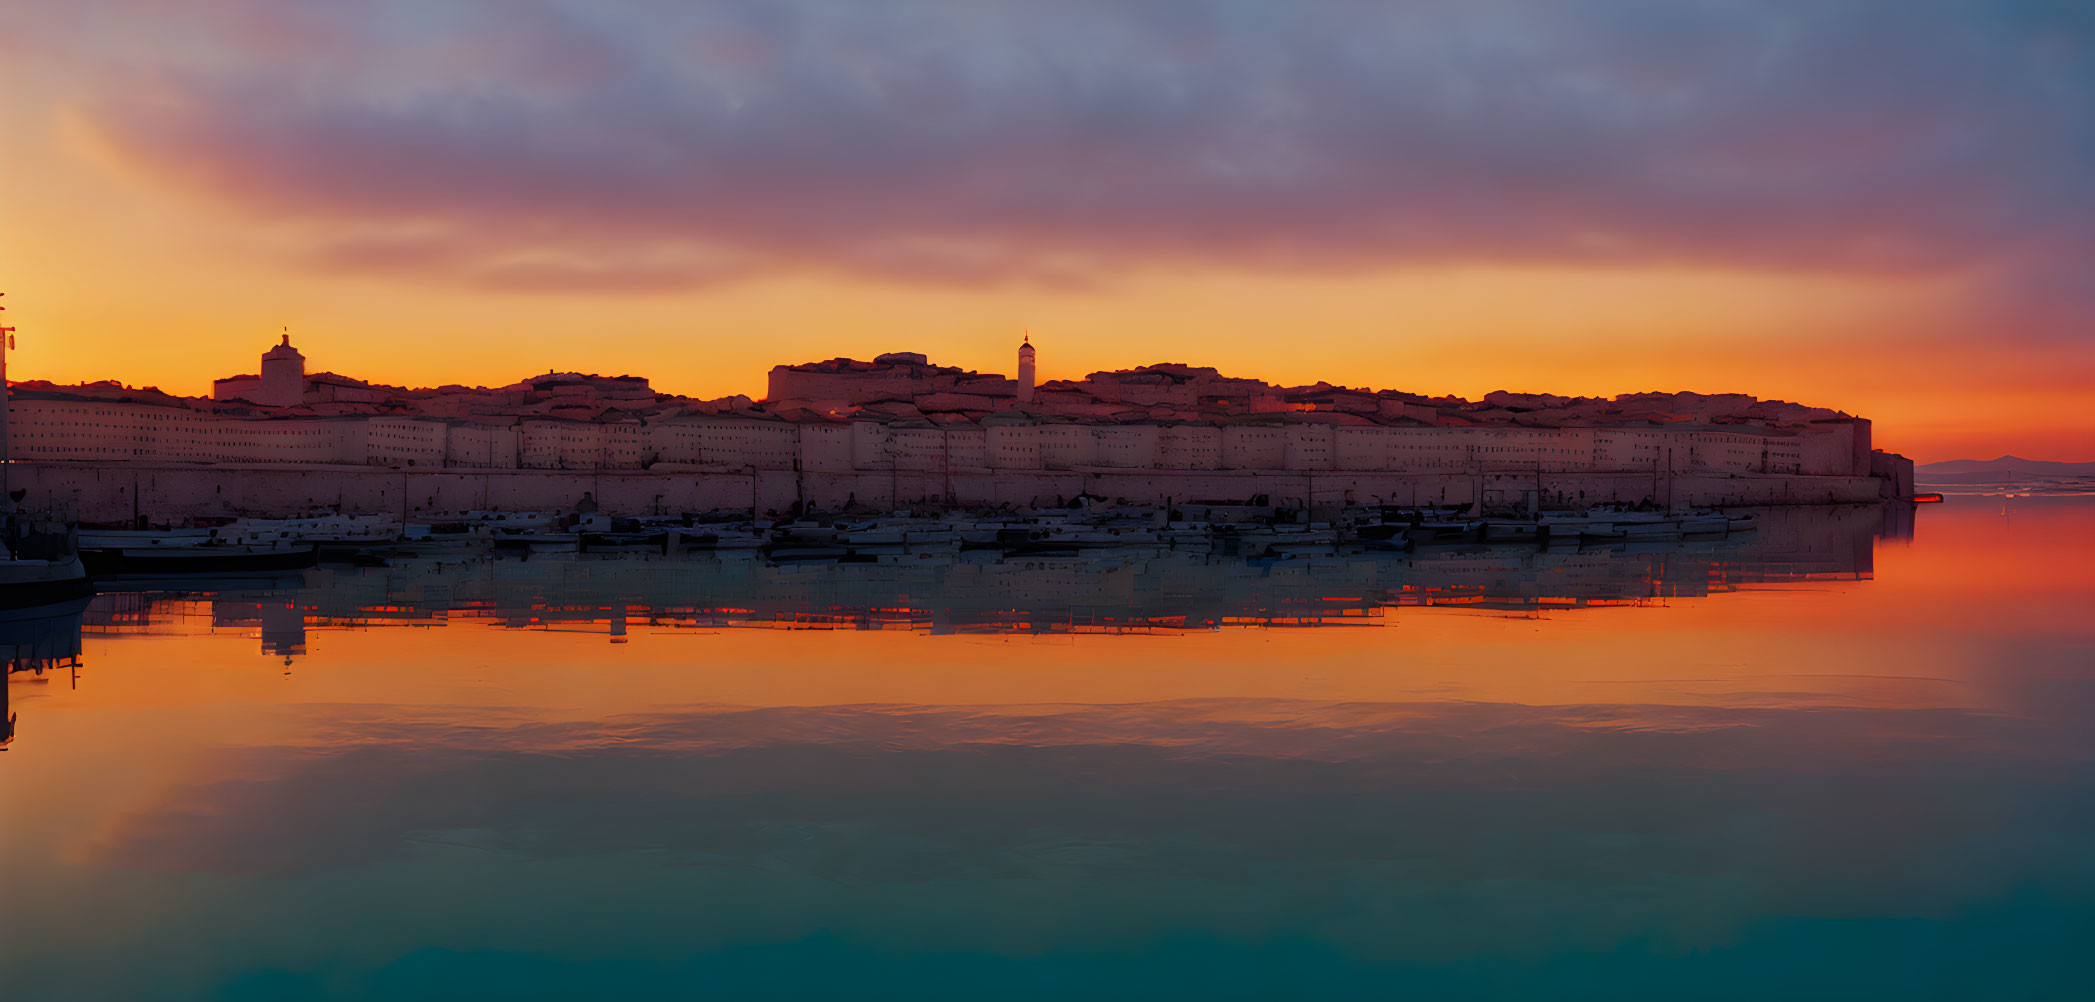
point(246, 545)
point(1057, 532)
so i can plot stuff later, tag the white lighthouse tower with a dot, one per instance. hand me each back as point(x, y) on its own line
point(1025, 370)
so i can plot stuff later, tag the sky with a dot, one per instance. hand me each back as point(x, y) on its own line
point(1884, 207)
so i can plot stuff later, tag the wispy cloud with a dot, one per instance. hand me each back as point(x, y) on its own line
point(655, 145)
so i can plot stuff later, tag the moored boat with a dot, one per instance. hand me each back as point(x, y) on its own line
point(207, 558)
point(1639, 526)
point(1429, 533)
point(27, 582)
point(1512, 532)
point(1708, 524)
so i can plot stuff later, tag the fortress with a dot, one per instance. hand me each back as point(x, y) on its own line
point(902, 430)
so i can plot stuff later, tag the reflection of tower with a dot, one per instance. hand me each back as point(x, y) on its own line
point(1025, 370)
point(283, 376)
point(283, 630)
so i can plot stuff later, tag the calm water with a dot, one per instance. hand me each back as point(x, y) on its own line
point(1843, 760)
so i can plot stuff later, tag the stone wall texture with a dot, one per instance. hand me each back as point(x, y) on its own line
point(115, 492)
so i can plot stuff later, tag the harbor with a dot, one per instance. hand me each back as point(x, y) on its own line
point(1251, 529)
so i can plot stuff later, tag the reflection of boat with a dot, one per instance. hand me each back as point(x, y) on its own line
point(222, 581)
point(209, 558)
point(36, 639)
point(538, 542)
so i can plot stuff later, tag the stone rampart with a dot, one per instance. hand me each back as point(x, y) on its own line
point(118, 491)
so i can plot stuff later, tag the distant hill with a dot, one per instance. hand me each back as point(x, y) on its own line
point(2005, 468)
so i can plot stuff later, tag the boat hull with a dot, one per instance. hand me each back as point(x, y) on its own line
point(26, 584)
point(180, 561)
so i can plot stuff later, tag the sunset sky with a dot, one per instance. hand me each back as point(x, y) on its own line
point(1884, 207)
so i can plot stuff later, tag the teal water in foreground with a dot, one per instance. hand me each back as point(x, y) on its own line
point(1841, 760)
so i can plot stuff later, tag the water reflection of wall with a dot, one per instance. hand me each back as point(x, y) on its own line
point(1113, 591)
point(280, 621)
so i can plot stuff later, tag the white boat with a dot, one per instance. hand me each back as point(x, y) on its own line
point(101, 539)
point(1098, 536)
point(1637, 526)
point(886, 532)
point(216, 556)
point(1704, 525)
point(718, 537)
point(930, 540)
point(1561, 526)
point(30, 581)
point(1512, 532)
point(1301, 539)
point(801, 532)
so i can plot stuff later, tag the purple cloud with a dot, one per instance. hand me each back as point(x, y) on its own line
point(650, 144)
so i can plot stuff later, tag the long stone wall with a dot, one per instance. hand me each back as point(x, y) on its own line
point(1330, 489)
point(115, 492)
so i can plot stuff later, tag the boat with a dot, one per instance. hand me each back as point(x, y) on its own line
point(1512, 532)
point(717, 537)
point(1928, 497)
point(1704, 524)
point(1428, 533)
point(1640, 526)
point(216, 557)
point(1103, 535)
point(1297, 539)
point(804, 532)
point(804, 553)
point(105, 539)
point(341, 532)
point(28, 582)
point(638, 541)
point(1564, 527)
point(1425, 512)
